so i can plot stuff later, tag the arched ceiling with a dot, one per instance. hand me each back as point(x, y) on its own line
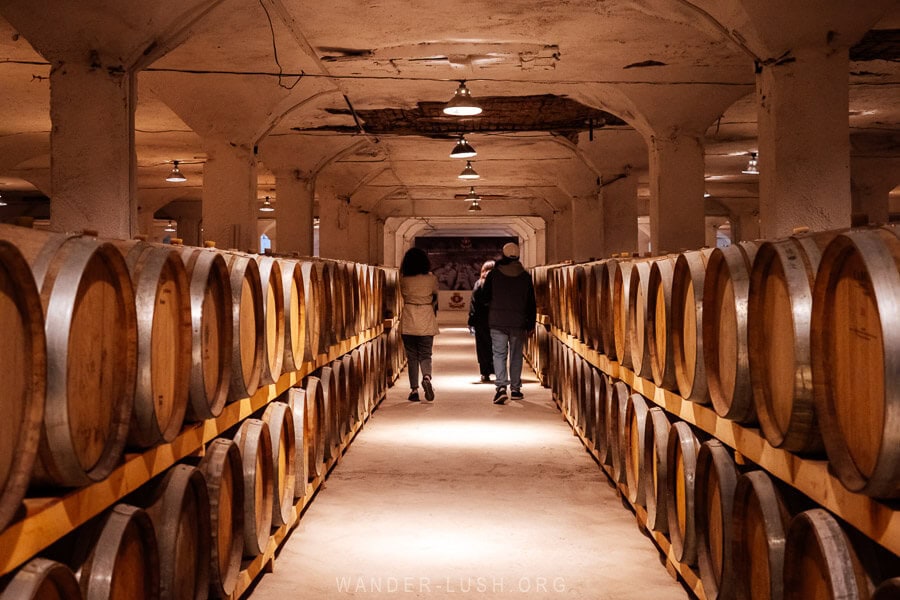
point(350, 90)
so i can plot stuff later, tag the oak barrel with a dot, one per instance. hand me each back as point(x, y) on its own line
point(255, 444)
point(280, 419)
point(315, 427)
point(163, 303)
point(248, 321)
point(120, 559)
point(315, 311)
point(636, 411)
point(296, 399)
point(856, 364)
point(353, 372)
point(604, 441)
point(716, 478)
point(686, 326)
point(331, 396)
point(331, 306)
point(659, 318)
point(212, 332)
point(222, 468)
point(607, 278)
point(295, 336)
point(759, 525)
point(42, 579)
point(90, 325)
point(349, 385)
point(654, 473)
point(637, 330)
point(181, 518)
point(779, 322)
point(681, 465)
point(615, 426)
point(23, 363)
point(725, 295)
point(621, 290)
point(820, 562)
point(273, 332)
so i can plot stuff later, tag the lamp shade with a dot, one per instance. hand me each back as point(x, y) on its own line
point(468, 172)
point(472, 195)
point(462, 104)
point(175, 175)
point(462, 149)
point(266, 206)
point(474, 207)
point(752, 165)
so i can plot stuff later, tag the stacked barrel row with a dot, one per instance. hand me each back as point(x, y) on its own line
point(186, 533)
point(747, 534)
point(793, 335)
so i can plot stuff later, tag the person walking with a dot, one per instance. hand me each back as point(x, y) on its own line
point(509, 293)
point(418, 319)
point(478, 325)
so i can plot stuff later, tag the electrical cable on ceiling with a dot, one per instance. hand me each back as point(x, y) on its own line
point(275, 52)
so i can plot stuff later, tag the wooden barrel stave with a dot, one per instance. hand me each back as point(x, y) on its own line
point(248, 320)
point(637, 331)
point(716, 479)
point(315, 426)
point(222, 468)
point(659, 311)
point(280, 419)
point(615, 427)
point(688, 281)
point(212, 332)
point(295, 336)
point(315, 310)
point(296, 399)
point(621, 292)
point(655, 473)
point(255, 444)
point(636, 411)
point(273, 331)
point(331, 396)
point(681, 464)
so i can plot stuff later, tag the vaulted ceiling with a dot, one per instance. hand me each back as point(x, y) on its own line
point(351, 90)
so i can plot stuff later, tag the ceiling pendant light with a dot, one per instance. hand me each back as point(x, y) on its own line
point(472, 195)
point(170, 226)
point(752, 166)
point(462, 149)
point(469, 172)
point(474, 207)
point(266, 206)
point(176, 176)
point(2, 201)
point(462, 104)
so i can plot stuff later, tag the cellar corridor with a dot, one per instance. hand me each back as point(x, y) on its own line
point(461, 497)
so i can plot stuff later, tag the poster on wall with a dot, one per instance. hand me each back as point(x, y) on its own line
point(457, 260)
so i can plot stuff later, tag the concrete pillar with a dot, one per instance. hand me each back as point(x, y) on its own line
point(144, 220)
point(745, 225)
point(92, 155)
point(676, 193)
point(618, 205)
point(376, 242)
point(563, 231)
point(296, 196)
point(872, 180)
point(587, 222)
point(804, 144)
point(230, 210)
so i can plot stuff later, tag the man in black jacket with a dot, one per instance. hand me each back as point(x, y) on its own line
point(509, 292)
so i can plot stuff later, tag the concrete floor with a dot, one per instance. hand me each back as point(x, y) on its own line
point(463, 498)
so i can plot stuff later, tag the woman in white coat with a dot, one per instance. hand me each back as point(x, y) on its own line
point(418, 319)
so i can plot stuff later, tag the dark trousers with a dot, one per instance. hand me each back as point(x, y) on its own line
point(484, 351)
point(418, 351)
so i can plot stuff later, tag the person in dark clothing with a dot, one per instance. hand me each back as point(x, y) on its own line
point(509, 292)
point(478, 325)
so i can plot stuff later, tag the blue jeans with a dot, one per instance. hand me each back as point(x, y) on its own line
point(508, 344)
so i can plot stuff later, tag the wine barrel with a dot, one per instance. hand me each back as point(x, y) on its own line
point(607, 307)
point(23, 363)
point(387, 280)
point(212, 333)
point(725, 296)
point(355, 376)
point(42, 579)
point(181, 518)
point(280, 419)
point(294, 315)
point(339, 367)
point(716, 478)
point(637, 330)
point(579, 301)
point(273, 331)
point(759, 525)
point(331, 396)
point(315, 427)
point(248, 320)
point(315, 310)
point(820, 562)
point(779, 323)
point(222, 468)
point(255, 444)
point(659, 316)
point(621, 292)
point(855, 329)
point(590, 384)
point(635, 428)
point(654, 473)
point(296, 399)
point(604, 441)
point(90, 326)
point(331, 306)
point(686, 326)
point(681, 464)
point(163, 302)
point(120, 559)
point(615, 428)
